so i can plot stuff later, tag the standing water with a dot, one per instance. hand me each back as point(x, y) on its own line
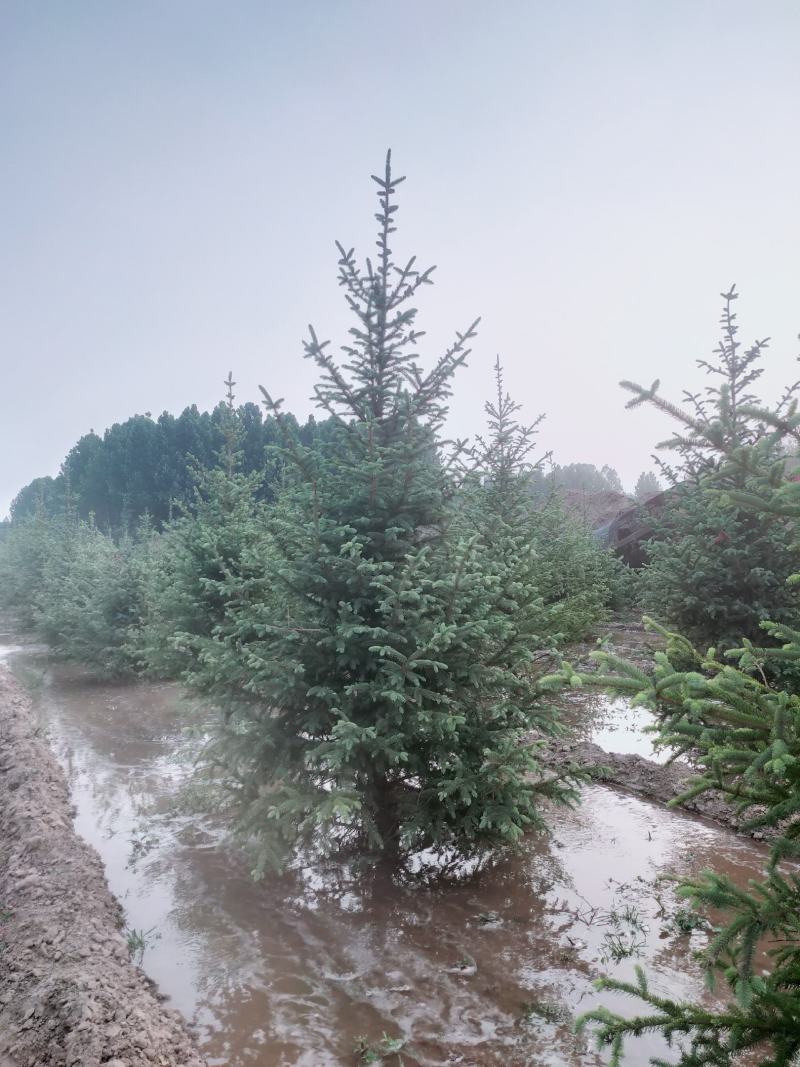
point(294, 971)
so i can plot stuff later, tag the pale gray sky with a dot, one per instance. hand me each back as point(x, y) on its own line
point(587, 177)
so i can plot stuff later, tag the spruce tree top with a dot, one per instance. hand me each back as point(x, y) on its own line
point(380, 383)
point(726, 416)
point(385, 473)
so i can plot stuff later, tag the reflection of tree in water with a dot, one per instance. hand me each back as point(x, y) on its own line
point(337, 950)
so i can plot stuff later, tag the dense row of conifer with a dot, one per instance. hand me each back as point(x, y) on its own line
point(363, 601)
point(366, 628)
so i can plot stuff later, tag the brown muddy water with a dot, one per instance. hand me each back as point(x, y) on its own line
point(291, 971)
point(611, 723)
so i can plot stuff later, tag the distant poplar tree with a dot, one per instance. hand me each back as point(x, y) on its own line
point(647, 485)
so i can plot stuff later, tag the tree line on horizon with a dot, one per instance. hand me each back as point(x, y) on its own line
point(145, 466)
point(149, 467)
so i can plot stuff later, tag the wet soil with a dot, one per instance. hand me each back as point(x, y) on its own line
point(647, 778)
point(69, 993)
point(606, 732)
point(484, 969)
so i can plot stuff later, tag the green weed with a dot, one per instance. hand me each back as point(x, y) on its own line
point(374, 1052)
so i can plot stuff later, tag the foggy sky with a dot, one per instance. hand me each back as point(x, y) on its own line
point(587, 177)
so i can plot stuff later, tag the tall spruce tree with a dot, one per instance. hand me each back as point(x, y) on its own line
point(743, 735)
point(559, 580)
point(375, 688)
point(717, 570)
point(726, 416)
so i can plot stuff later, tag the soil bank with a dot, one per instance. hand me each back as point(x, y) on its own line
point(69, 993)
point(634, 774)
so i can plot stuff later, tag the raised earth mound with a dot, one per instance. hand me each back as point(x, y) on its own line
point(69, 994)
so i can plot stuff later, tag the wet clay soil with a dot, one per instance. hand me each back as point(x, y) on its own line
point(290, 972)
point(69, 994)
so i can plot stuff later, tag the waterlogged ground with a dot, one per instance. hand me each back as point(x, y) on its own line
point(613, 724)
point(292, 971)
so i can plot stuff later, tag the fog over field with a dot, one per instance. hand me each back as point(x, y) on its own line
point(587, 177)
point(374, 687)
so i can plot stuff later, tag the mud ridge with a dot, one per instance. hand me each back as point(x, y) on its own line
point(643, 777)
point(69, 993)
point(627, 772)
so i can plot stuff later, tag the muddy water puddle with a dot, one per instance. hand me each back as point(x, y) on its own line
point(291, 971)
point(613, 724)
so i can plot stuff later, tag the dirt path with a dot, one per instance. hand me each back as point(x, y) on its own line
point(69, 994)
